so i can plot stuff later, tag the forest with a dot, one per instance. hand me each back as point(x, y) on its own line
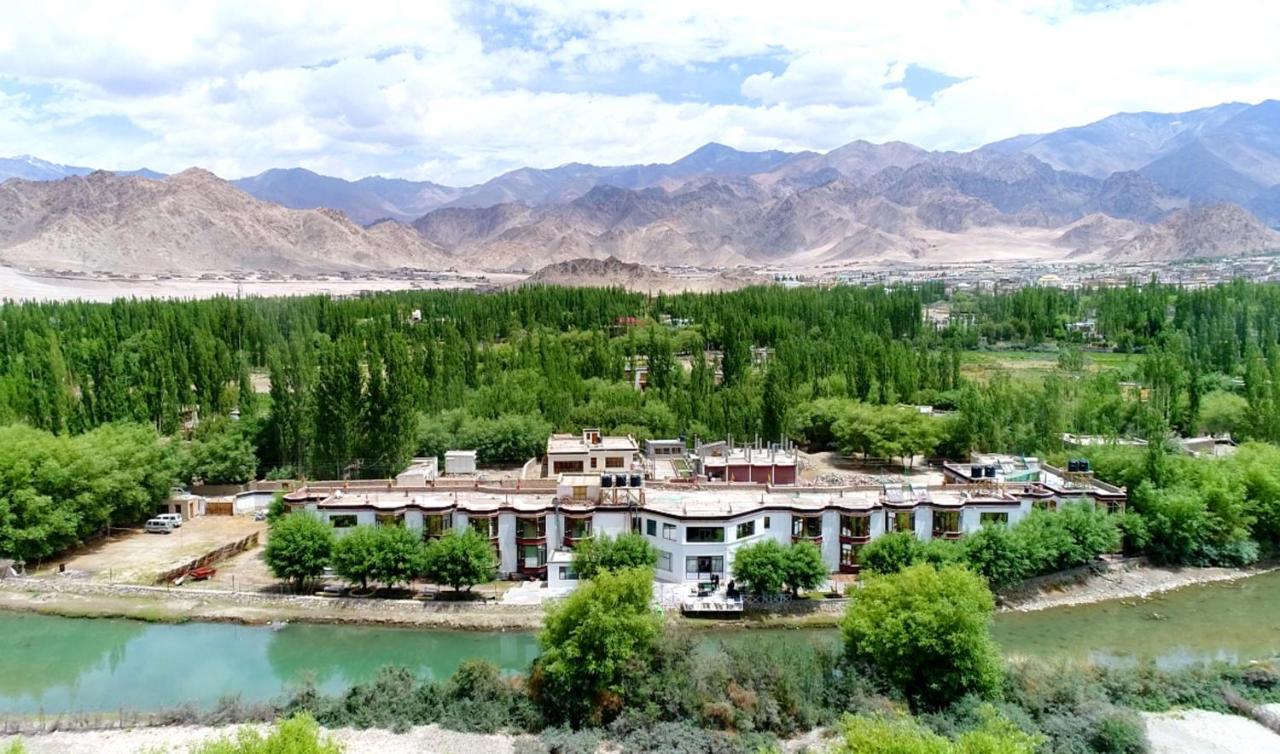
point(318, 387)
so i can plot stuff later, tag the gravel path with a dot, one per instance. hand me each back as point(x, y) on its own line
point(428, 740)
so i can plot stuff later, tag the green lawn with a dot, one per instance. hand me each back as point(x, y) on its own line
point(1034, 365)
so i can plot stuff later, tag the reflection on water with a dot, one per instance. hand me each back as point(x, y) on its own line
point(59, 664)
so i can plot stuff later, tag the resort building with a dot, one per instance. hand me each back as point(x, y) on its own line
point(698, 527)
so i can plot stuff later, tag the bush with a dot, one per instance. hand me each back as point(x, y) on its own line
point(803, 567)
point(925, 632)
point(880, 734)
point(605, 553)
point(997, 554)
point(297, 735)
point(760, 567)
point(1119, 733)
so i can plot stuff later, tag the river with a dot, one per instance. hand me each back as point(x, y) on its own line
point(58, 665)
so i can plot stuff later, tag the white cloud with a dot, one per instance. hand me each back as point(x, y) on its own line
point(424, 90)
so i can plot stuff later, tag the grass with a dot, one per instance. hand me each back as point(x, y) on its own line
point(1035, 365)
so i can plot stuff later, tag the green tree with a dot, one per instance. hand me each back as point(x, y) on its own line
point(803, 568)
point(998, 554)
point(761, 567)
point(356, 554)
point(591, 642)
point(890, 553)
point(221, 453)
point(298, 548)
point(461, 558)
point(605, 553)
point(401, 556)
point(927, 633)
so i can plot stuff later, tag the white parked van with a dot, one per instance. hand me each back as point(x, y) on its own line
point(158, 526)
point(173, 518)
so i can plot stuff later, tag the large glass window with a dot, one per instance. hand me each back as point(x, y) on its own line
point(704, 534)
point(855, 526)
point(806, 527)
point(669, 532)
point(389, 519)
point(485, 526)
point(651, 527)
point(533, 556)
point(946, 522)
point(902, 521)
point(434, 525)
point(699, 566)
point(997, 518)
point(531, 528)
point(577, 528)
point(746, 529)
point(343, 521)
point(849, 553)
point(664, 561)
point(613, 462)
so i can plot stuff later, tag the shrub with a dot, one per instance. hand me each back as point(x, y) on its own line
point(297, 735)
point(997, 554)
point(881, 734)
point(1119, 733)
point(926, 632)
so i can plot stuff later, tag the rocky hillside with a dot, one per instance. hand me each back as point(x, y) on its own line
point(190, 222)
point(1215, 231)
point(611, 272)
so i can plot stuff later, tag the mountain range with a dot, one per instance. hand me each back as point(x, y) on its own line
point(1133, 185)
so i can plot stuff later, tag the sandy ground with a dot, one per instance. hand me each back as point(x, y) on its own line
point(1135, 583)
point(831, 468)
point(16, 284)
point(429, 739)
point(1201, 732)
point(134, 556)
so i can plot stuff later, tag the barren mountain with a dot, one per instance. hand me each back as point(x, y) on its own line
point(1213, 231)
point(192, 221)
point(365, 201)
point(612, 272)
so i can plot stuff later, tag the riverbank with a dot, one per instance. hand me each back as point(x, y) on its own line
point(73, 599)
point(1125, 580)
point(1130, 579)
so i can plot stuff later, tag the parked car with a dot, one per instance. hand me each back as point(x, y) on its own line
point(173, 518)
point(158, 526)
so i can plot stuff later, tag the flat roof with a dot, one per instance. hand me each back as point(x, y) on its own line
point(459, 453)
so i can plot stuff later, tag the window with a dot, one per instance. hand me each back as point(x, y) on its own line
point(806, 527)
point(746, 529)
point(568, 574)
point(902, 521)
point(1044, 505)
point(669, 532)
point(613, 462)
point(342, 522)
point(531, 528)
point(434, 525)
point(651, 527)
point(533, 556)
point(946, 522)
point(849, 553)
point(579, 492)
point(766, 522)
point(389, 519)
point(577, 528)
point(999, 519)
point(855, 527)
point(595, 462)
point(664, 561)
point(704, 534)
point(696, 566)
point(485, 527)
point(635, 526)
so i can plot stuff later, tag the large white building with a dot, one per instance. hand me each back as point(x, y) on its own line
point(698, 529)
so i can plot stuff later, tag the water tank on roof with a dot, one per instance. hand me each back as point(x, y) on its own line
point(1084, 464)
point(975, 472)
point(636, 480)
point(989, 472)
point(606, 480)
point(620, 480)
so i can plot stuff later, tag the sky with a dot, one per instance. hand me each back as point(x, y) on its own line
point(457, 92)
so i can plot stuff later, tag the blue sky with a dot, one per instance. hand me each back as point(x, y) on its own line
point(457, 92)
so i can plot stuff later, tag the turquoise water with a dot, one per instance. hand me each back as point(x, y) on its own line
point(55, 665)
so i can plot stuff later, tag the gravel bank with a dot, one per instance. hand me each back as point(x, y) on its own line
point(1130, 580)
point(1201, 732)
point(429, 739)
